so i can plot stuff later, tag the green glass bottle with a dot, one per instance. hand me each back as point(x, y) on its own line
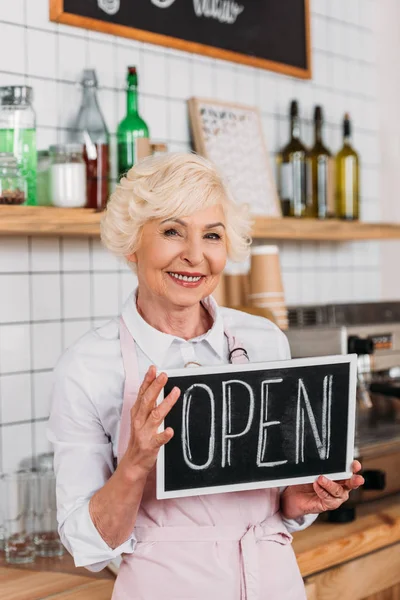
point(347, 176)
point(131, 127)
point(320, 170)
point(291, 162)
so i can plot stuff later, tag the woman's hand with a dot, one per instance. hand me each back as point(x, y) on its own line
point(146, 417)
point(319, 496)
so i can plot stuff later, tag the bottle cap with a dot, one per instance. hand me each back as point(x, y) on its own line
point(89, 78)
point(318, 114)
point(346, 125)
point(294, 108)
point(16, 94)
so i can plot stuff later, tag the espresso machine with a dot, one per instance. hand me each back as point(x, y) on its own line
point(372, 331)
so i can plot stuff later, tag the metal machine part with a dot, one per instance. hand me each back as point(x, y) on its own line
point(372, 331)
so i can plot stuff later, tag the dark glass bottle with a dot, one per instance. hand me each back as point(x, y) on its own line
point(320, 166)
point(91, 131)
point(347, 176)
point(292, 170)
point(131, 127)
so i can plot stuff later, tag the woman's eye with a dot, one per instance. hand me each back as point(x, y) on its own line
point(213, 236)
point(171, 232)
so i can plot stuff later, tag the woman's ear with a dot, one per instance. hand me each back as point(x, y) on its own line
point(132, 258)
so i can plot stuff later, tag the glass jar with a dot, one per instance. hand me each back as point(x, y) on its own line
point(43, 178)
point(13, 188)
point(67, 176)
point(18, 132)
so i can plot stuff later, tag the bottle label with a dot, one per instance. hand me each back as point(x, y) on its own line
point(330, 188)
point(349, 178)
point(287, 181)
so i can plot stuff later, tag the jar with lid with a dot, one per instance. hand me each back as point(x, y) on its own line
point(67, 176)
point(13, 187)
point(18, 132)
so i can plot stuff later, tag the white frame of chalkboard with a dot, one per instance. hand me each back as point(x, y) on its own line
point(351, 359)
point(58, 15)
point(200, 146)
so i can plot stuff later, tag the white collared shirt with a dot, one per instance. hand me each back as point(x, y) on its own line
point(87, 403)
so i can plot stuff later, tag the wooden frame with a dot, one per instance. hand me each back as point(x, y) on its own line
point(268, 482)
point(58, 15)
point(196, 105)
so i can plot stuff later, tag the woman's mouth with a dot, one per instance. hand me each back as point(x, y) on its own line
point(190, 280)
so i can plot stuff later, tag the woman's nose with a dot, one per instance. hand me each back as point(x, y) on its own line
point(193, 252)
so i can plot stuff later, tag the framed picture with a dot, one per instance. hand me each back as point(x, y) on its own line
point(267, 34)
point(231, 136)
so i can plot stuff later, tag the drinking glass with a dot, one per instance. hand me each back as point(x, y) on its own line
point(46, 538)
point(17, 499)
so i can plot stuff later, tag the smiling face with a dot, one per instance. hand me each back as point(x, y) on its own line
point(181, 260)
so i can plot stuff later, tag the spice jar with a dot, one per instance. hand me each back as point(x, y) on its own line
point(13, 187)
point(67, 176)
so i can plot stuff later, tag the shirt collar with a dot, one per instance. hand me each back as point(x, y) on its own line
point(156, 344)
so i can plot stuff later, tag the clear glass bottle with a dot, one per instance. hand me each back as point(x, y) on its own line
point(347, 176)
point(320, 171)
point(13, 188)
point(292, 170)
point(90, 130)
point(18, 132)
point(131, 127)
point(67, 176)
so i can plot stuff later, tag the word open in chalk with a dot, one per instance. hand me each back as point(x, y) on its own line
point(260, 425)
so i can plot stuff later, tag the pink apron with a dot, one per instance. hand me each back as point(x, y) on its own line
point(231, 546)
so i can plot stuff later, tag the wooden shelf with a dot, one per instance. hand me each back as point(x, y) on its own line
point(47, 220)
point(32, 220)
point(331, 230)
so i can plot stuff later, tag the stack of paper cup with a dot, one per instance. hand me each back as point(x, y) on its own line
point(237, 283)
point(266, 289)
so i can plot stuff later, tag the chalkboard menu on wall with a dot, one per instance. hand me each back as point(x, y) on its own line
point(271, 34)
point(260, 425)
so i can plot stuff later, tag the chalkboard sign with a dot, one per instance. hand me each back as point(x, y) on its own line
point(270, 34)
point(260, 425)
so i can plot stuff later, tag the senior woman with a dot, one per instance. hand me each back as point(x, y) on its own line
point(175, 223)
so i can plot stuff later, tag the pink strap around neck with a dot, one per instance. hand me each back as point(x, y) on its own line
point(237, 354)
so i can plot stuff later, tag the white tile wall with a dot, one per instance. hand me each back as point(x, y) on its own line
point(53, 290)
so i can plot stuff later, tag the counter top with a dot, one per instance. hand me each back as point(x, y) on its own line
point(319, 547)
point(324, 545)
point(55, 578)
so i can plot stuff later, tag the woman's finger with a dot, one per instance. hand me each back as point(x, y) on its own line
point(159, 413)
point(336, 490)
point(353, 483)
point(163, 438)
point(148, 399)
point(355, 466)
point(328, 501)
point(147, 381)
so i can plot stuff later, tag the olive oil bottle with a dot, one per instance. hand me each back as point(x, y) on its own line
point(320, 171)
point(291, 163)
point(347, 176)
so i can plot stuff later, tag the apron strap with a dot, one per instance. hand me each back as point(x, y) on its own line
point(237, 352)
